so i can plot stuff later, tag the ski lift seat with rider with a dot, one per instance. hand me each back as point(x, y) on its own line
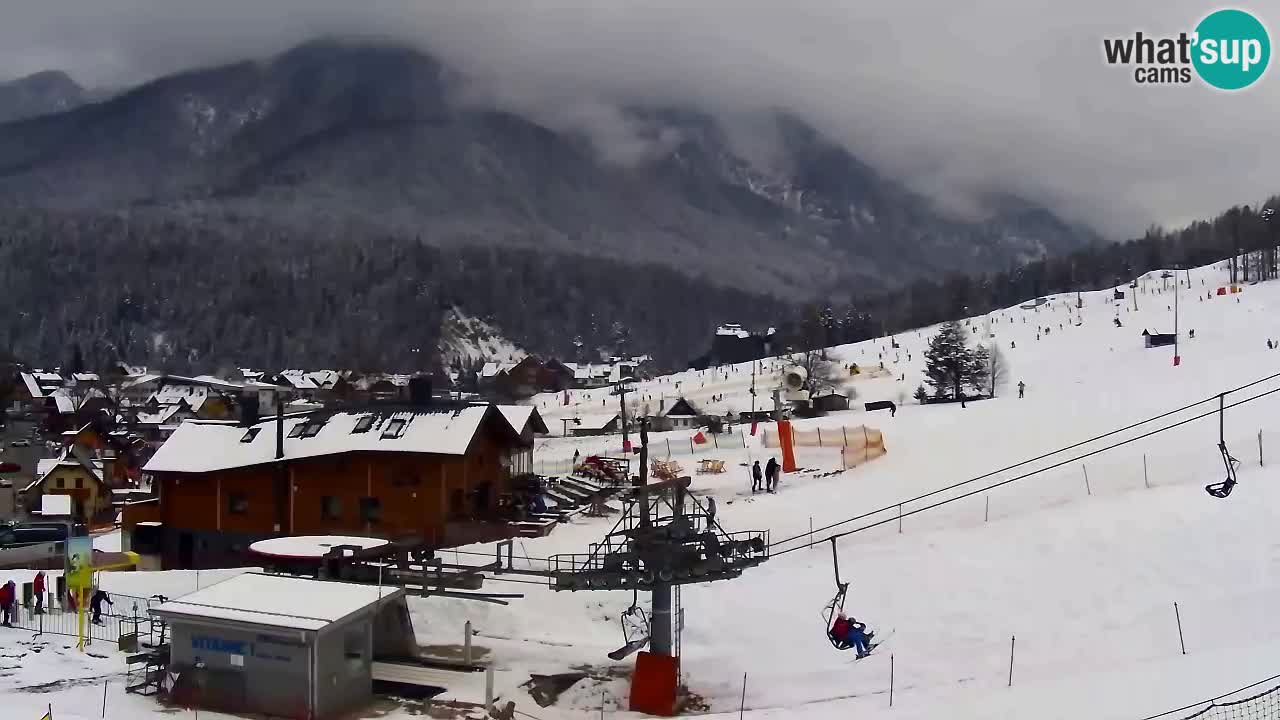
point(836, 607)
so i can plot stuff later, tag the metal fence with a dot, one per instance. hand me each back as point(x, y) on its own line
point(659, 448)
point(125, 614)
point(1260, 700)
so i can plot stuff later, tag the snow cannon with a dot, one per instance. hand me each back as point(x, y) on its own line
point(793, 383)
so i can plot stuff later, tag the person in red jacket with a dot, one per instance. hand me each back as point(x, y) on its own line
point(6, 603)
point(37, 587)
point(840, 629)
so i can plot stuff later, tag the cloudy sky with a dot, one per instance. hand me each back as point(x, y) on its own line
point(955, 99)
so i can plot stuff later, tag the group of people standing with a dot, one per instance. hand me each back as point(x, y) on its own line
point(9, 601)
point(770, 476)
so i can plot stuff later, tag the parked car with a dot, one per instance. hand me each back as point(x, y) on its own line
point(20, 443)
point(20, 536)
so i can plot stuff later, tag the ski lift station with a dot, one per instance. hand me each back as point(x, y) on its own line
point(283, 646)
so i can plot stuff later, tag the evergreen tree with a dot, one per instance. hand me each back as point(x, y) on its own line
point(922, 395)
point(949, 363)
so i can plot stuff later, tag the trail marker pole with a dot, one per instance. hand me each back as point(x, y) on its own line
point(1012, 640)
point(986, 515)
point(1259, 448)
point(466, 642)
point(488, 686)
point(810, 532)
point(899, 518)
point(743, 707)
point(104, 697)
point(1145, 480)
point(1178, 616)
point(601, 705)
point(1088, 490)
point(891, 681)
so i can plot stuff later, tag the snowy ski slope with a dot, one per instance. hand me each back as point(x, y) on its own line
point(1084, 574)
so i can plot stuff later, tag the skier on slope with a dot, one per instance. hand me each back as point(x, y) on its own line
point(755, 477)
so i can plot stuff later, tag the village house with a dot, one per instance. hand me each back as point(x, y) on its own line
point(77, 474)
point(680, 415)
point(597, 424)
point(525, 420)
point(421, 475)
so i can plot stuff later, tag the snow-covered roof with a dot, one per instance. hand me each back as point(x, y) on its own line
point(159, 417)
point(45, 465)
point(298, 380)
point(85, 377)
point(142, 379)
point(64, 402)
point(199, 446)
point(33, 386)
point(732, 330)
point(172, 394)
point(278, 601)
point(311, 546)
point(593, 422)
point(325, 378)
point(518, 416)
point(492, 369)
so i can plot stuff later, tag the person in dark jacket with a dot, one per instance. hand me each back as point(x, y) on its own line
point(771, 475)
point(859, 638)
point(755, 476)
point(95, 605)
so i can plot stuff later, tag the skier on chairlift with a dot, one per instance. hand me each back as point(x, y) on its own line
point(852, 634)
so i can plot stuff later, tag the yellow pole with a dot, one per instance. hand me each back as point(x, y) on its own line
point(80, 619)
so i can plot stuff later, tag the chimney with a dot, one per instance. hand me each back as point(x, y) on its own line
point(279, 430)
point(248, 409)
point(420, 391)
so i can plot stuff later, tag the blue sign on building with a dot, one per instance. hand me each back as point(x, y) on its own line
point(214, 644)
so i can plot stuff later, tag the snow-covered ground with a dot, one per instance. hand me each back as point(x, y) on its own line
point(1084, 572)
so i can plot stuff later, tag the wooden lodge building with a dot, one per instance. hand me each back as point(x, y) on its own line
point(422, 475)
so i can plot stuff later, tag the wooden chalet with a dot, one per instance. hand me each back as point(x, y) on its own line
point(681, 415)
point(597, 424)
point(423, 475)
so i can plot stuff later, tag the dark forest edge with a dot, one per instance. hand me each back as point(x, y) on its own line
point(1242, 230)
point(211, 296)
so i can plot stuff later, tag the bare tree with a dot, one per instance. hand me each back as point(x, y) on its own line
point(821, 374)
point(997, 369)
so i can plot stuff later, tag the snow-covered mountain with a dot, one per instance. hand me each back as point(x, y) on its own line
point(357, 140)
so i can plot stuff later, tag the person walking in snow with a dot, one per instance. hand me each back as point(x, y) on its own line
point(755, 477)
point(771, 475)
point(1022, 389)
point(8, 594)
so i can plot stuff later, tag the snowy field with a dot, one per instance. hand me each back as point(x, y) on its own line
point(1084, 572)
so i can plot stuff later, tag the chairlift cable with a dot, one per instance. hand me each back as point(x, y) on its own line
point(1019, 477)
